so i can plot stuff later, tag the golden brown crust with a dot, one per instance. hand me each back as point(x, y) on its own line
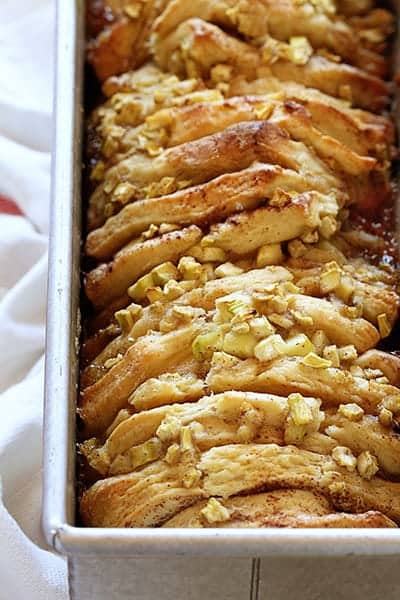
point(288, 375)
point(196, 46)
point(150, 355)
point(219, 416)
point(389, 364)
point(202, 204)
point(231, 150)
point(121, 30)
point(367, 92)
point(243, 233)
point(154, 494)
point(367, 434)
point(281, 508)
point(355, 7)
point(236, 181)
point(203, 297)
point(111, 280)
point(283, 21)
point(177, 125)
point(231, 418)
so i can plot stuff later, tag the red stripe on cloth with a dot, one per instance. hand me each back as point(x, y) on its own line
point(9, 207)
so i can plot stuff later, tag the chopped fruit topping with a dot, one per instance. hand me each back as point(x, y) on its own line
point(206, 344)
point(352, 412)
point(344, 457)
point(270, 348)
point(269, 255)
point(215, 512)
point(367, 465)
point(384, 325)
point(316, 362)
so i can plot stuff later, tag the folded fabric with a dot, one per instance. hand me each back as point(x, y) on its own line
point(27, 569)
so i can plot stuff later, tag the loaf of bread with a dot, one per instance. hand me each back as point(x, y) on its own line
point(241, 267)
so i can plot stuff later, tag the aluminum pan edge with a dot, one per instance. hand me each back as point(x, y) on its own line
point(61, 375)
point(230, 543)
point(63, 279)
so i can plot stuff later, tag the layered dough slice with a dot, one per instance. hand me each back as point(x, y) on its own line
point(200, 205)
point(199, 161)
point(111, 280)
point(117, 126)
point(178, 125)
point(120, 31)
point(291, 218)
point(138, 94)
point(366, 433)
point(242, 417)
point(362, 131)
point(353, 298)
point(369, 291)
point(155, 493)
point(196, 47)
point(287, 375)
point(151, 355)
point(332, 301)
point(192, 292)
point(230, 418)
point(242, 234)
point(280, 508)
point(284, 21)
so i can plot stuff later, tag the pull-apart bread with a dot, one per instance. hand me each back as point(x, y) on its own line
point(238, 364)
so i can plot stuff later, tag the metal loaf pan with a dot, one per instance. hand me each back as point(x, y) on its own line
point(162, 563)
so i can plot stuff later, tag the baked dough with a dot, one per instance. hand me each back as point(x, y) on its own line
point(240, 267)
point(281, 508)
point(155, 493)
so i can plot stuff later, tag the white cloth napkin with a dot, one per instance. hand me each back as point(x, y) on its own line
point(27, 571)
